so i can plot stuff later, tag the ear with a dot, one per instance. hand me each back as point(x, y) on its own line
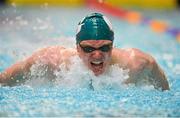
point(78, 48)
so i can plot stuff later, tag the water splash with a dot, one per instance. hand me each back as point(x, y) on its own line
point(77, 76)
point(129, 101)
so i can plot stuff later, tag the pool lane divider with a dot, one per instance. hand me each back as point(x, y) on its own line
point(134, 17)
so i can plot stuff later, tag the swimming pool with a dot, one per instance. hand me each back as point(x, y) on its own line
point(25, 29)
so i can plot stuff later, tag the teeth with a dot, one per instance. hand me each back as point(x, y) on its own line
point(96, 62)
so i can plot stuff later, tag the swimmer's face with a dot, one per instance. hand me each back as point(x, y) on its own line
point(96, 54)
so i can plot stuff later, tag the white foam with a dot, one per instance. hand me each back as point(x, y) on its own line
point(80, 76)
point(112, 79)
point(39, 75)
point(77, 76)
point(176, 69)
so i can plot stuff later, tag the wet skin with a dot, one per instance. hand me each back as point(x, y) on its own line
point(140, 64)
point(97, 60)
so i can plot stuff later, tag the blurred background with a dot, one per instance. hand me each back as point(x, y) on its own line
point(41, 22)
point(152, 4)
point(149, 25)
point(33, 24)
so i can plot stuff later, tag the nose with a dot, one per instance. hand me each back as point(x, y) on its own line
point(97, 54)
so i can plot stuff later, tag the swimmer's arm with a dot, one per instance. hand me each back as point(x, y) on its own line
point(51, 57)
point(159, 77)
point(15, 74)
point(154, 73)
point(143, 66)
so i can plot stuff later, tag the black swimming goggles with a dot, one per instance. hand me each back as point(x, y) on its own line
point(89, 49)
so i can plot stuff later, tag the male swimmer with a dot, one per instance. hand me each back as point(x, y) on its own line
point(94, 42)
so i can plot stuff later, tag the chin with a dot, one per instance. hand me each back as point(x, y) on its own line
point(98, 73)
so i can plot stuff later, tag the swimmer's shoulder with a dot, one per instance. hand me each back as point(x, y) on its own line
point(129, 52)
point(52, 54)
point(119, 56)
point(136, 54)
point(125, 56)
point(55, 50)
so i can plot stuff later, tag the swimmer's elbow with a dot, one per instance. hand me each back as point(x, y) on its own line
point(5, 79)
point(164, 80)
point(165, 83)
point(2, 78)
point(166, 87)
point(161, 78)
point(14, 74)
point(11, 81)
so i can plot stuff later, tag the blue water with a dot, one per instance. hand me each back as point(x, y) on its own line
point(25, 29)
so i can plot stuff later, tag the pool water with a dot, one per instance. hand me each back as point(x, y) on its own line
point(26, 29)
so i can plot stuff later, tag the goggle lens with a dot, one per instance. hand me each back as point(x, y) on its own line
point(104, 48)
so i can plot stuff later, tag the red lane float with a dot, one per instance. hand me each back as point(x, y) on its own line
point(134, 17)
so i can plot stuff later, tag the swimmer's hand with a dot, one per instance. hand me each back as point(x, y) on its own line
point(144, 67)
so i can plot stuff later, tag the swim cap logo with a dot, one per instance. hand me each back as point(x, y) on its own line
point(79, 28)
point(108, 22)
point(80, 25)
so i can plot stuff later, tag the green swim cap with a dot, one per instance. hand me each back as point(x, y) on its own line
point(94, 27)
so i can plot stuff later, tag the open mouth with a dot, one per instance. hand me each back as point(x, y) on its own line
point(97, 64)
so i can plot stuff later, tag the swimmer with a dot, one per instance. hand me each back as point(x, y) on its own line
point(94, 46)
